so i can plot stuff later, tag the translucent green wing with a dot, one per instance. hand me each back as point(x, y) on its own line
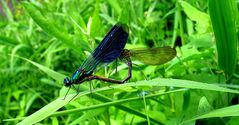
point(153, 56)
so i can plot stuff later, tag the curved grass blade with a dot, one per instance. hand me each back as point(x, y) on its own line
point(52, 107)
point(154, 56)
point(222, 112)
point(225, 30)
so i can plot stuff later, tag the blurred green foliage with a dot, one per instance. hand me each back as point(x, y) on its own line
point(43, 41)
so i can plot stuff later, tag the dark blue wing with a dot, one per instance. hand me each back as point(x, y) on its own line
point(111, 46)
point(109, 49)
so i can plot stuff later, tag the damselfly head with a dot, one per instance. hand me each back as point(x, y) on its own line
point(67, 82)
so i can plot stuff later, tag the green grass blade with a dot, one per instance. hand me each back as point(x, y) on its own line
point(95, 25)
point(55, 75)
point(115, 5)
point(88, 115)
point(58, 103)
point(124, 17)
point(44, 112)
point(113, 103)
point(222, 112)
point(223, 14)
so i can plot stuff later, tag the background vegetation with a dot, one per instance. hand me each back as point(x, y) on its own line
point(43, 41)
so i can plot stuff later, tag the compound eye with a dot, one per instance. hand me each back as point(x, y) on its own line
point(67, 82)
